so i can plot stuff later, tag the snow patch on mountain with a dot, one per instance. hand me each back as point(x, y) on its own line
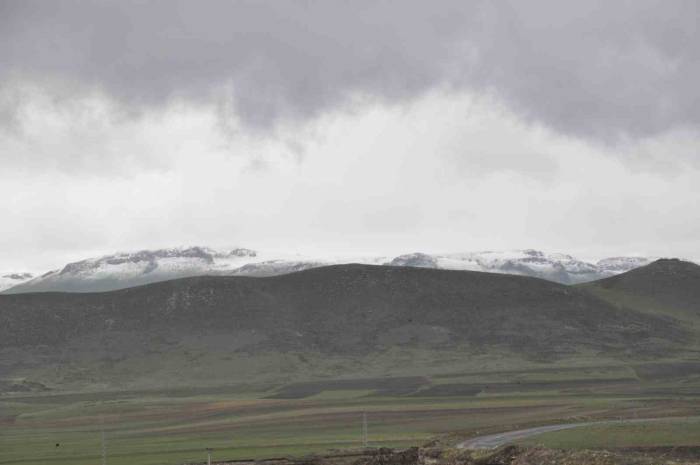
point(614, 265)
point(415, 259)
point(127, 269)
point(275, 267)
point(554, 267)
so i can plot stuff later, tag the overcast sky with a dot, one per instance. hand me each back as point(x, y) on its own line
point(352, 127)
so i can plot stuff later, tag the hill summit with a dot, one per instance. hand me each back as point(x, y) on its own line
point(665, 284)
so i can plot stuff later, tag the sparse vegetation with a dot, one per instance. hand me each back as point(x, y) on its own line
point(674, 432)
point(249, 392)
point(173, 427)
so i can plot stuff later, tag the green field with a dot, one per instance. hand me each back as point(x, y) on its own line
point(175, 426)
point(624, 434)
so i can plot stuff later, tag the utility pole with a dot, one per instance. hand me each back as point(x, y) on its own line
point(209, 455)
point(104, 446)
point(364, 430)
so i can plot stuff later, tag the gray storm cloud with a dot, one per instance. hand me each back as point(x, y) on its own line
point(598, 70)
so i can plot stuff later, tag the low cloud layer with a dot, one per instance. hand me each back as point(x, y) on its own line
point(599, 70)
point(384, 180)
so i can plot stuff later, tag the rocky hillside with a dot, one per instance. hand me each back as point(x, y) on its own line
point(343, 310)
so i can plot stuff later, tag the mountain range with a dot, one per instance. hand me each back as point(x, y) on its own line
point(123, 270)
point(342, 320)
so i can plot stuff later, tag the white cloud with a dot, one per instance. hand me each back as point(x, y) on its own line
point(447, 172)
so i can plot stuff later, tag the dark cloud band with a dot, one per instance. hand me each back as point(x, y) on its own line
point(594, 69)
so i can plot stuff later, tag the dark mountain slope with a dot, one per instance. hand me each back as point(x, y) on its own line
point(346, 309)
point(668, 285)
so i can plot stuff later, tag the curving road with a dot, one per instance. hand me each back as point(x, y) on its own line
point(492, 441)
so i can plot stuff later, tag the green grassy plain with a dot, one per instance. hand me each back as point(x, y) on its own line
point(624, 434)
point(162, 427)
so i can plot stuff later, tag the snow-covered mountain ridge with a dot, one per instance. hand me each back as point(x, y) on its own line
point(556, 267)
point(129, 269)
